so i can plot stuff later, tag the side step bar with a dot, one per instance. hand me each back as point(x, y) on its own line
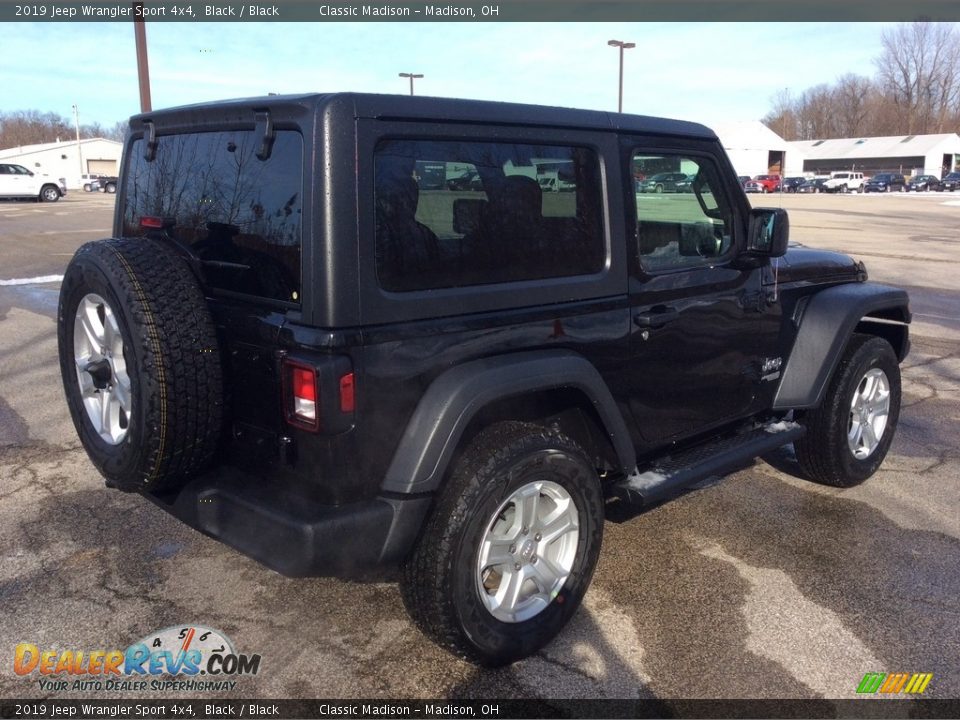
point(717, 457)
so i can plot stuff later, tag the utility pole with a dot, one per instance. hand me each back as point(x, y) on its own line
point(411, 76)
point(623, 46)
point(143, 69)
point(76, 124)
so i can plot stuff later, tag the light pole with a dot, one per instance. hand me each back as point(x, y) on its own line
point(143, 67)
point(412, 76)
point(76, 123)
point(623, 46)
point(783, 155)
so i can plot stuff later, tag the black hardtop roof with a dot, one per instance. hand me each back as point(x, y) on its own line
point(406, 107)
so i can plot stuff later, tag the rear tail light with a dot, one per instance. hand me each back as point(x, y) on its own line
point(319, 397)
point(302, 406)
point(155, 222)
point(347, 400)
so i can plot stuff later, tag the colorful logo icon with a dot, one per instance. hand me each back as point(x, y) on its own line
point(892, 683)
point(179, 650)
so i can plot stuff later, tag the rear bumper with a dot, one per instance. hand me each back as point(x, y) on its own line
point(294, 535)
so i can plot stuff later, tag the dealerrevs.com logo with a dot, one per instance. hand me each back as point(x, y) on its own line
point(151, 663)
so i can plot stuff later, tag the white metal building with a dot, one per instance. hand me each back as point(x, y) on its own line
point(96, 156)
point(907, 154)
point(755, 149)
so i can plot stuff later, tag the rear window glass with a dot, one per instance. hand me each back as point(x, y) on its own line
point(240, 215)
point(455, 213)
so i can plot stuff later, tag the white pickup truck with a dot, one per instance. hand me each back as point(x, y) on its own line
point(18, 182)
point(844, 182)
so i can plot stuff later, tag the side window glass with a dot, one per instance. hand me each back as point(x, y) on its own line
point(457, 213)
point(683, 219)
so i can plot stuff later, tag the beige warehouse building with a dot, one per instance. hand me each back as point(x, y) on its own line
point(906, 154)
point(68, 160)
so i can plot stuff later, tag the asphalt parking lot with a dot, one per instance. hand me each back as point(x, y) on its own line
point(760, 585)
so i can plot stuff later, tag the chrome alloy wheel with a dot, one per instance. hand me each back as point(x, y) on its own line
point(102, 369)
point(869, 411)
point(528, 551)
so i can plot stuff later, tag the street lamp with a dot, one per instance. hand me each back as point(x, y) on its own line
point(623, 46)
point(411, 76)
point(76, 123)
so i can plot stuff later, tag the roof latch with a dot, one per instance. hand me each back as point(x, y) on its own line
point(265, 130)
point(151, 152)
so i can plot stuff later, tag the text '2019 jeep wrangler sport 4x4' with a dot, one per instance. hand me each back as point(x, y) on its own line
point(302, 342)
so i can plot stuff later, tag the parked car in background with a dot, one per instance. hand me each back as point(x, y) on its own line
point(106, 184)
point(812, 186)
point(88, 181)
point(844, 181)
point(950, 182)
point(791, 184)
point(924, 183)
point(768, 183)
point(661, 182)
point(744, 179)
point(686, 185)
point(470, 180)
point(886, 182)
point(18, 182)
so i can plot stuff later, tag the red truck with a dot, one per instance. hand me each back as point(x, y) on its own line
point(763, 184)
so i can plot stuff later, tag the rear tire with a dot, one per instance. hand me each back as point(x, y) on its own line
point(140, 364)
point(484, 580)
point(849, 435)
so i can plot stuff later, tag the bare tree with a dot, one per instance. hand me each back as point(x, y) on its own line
point(32, 127)
point(782, 119)
point(918, 70)
point(117, 132)
point(816, 113)
point(851, 98)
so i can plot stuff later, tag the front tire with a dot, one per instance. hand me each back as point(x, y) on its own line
point(49, 193)
point(849, 435)
point(509, 551)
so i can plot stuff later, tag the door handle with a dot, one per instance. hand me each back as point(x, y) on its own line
point(656, 316)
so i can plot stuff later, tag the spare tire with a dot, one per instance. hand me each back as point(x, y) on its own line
point(140, 363)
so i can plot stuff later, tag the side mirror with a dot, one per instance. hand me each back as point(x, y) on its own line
point(768, 233)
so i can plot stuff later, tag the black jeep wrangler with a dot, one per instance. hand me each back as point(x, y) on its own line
point(308, 340)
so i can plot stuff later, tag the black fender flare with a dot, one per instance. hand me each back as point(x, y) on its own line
point(826, 324)
point(454, 397)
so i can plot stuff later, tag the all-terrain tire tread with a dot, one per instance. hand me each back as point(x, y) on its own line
point(423, 586)
point(820, 450)
point(176, 343)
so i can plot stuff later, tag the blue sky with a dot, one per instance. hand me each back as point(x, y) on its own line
point(708, 72)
